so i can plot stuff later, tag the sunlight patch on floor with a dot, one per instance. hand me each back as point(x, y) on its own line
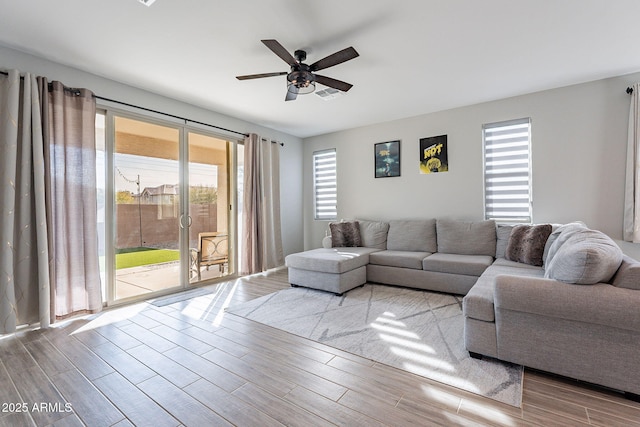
point(438, 395)
point(492, 415)
point(407, 343)
point(108, 317)
point(453, 380)
point(211, 309)
point(424, 360)
point(394, 330)
point(417, 356)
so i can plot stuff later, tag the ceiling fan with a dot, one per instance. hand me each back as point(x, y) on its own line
point(302, 78)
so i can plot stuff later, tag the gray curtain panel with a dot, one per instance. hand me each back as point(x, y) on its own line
point(24, 256)
point(261, 228)
point(631, 213)
point(69, 128)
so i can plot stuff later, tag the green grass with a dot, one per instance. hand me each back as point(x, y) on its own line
point(135, 257)
point(138, 249)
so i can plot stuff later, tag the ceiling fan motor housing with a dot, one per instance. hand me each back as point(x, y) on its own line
point(300, 55)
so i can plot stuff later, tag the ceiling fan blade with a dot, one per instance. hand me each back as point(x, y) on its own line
point(279, 50)
point(259, 76)
point(291, 96)
point(334, 83)
point(334, 59)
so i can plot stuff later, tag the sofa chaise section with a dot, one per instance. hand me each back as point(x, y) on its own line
point(589, 332)
point(334, 270)
point(576, 316)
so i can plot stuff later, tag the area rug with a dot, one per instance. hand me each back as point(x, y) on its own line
point(416, 331)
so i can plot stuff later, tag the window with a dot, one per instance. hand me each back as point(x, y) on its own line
point(325, 184)
point(507, 171)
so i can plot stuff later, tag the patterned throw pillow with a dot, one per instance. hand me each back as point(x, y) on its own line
point(526, 243)
point(345, 234)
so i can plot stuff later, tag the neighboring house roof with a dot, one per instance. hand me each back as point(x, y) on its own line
point(161, 190)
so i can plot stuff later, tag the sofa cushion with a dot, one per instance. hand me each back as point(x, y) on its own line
point(466, 238)
point(503, 231)
point(403, 259)
point(586, 257)
point(374, 233)
point(345, 234)
point(628, 274)
point(412, 235)
point(470, 265)
point(334, 260)
point(526, 243)
point(478, 303)
point(558, 237)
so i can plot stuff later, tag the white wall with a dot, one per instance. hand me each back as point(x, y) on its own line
point(290, 154)
point(578, 156)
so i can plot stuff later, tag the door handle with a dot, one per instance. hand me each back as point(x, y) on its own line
point(189, 221)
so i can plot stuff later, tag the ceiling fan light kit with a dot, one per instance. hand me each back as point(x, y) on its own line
point(301, 82)
point(301, 78)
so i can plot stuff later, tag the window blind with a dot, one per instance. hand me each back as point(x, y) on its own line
point(325, 184)
point(507, 170)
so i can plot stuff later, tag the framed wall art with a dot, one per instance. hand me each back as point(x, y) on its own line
point(433, 154)
point(387, 159)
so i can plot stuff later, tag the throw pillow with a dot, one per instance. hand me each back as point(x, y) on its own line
point(345, 234)
point(526, 243)
point(585, 258)
point(558, 237)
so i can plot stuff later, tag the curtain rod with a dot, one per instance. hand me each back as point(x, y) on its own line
point(179, 118)
point(102, 98)
point(168, 115)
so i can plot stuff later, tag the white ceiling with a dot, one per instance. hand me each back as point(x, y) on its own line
point(416, 56)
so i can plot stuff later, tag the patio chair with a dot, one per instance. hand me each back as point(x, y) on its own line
point(213, 249)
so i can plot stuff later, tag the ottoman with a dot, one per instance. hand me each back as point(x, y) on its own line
point(334, 270)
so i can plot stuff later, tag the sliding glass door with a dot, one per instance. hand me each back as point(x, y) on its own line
point(167, 207)
point(147, 208)
point(209, 207)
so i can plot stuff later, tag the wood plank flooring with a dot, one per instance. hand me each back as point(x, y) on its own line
point(189, 364)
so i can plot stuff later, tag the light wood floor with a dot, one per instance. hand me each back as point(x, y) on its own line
point(189, 364)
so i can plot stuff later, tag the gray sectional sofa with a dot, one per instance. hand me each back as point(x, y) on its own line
point(562, 299)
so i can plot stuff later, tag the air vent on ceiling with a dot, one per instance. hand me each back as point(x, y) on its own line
point(329, 93)
point(147, 2)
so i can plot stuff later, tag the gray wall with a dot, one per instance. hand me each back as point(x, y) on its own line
point(290, 154)
point(578, 156)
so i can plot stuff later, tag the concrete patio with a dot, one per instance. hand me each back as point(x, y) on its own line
point(136, 281)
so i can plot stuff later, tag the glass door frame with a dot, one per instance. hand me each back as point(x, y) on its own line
point(183, 219)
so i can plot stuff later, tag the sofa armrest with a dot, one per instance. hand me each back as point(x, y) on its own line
point(601, 303)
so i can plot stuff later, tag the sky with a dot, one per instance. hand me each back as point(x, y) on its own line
point(154, 172)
